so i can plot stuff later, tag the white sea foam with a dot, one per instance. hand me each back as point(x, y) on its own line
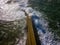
point(13, 11)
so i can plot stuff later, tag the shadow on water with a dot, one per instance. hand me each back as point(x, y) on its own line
point(38, 42)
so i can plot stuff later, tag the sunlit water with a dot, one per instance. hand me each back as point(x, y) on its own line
point(13, 11)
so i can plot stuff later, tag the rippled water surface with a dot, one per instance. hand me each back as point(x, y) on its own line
point(12, 10)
